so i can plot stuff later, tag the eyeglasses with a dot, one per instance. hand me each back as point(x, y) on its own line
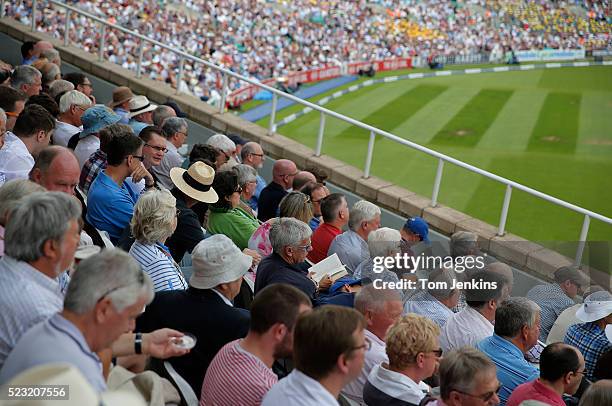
point(156, 148)
point(367, 345)
point(259, 155)
point(180, 132)
point(304, 247)
point(87, 84)
point(485, 397)
point(437, 353)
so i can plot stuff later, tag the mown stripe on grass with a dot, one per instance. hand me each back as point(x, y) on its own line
point(595, 128)
point(426, 123)
point(514, 123)
point(393, 113)
point(469, 125)
point(557, 128)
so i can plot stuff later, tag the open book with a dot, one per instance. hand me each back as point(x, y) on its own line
point(329, 266)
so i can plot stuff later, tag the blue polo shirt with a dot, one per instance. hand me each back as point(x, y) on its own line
point(512, 367)
point(110, 207)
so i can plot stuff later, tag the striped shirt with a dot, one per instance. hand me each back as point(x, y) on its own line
point(424, 304)
point(236, 377)
point(158, 264)
point(27, 297)
point(552, 301)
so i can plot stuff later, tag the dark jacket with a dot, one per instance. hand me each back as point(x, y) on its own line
point(199, 312)
point(188, 231)
point(269, 199)
point(274, 269)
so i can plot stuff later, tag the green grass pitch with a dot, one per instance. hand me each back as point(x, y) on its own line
point(548, 129)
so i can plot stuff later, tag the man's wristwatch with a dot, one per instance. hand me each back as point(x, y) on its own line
point(138, 343)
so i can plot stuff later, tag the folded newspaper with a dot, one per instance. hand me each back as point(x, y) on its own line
point(329, 266)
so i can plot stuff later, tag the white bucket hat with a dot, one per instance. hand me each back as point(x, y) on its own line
point(79, 391)
point(139, 105)
point(217, 260)
point(596, 306)
point(196, 182)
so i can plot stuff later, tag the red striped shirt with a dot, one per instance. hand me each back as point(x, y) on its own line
point(236, 377)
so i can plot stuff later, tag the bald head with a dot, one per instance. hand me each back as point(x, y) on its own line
point(56, 169)
point(161, 113)
point(42, 46)
point(283, 172)
point(301, 179)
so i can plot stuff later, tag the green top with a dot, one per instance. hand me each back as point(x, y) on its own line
point(235, 223)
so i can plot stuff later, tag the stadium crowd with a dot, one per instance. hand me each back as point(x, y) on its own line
point(190, 277)
point(270, 39)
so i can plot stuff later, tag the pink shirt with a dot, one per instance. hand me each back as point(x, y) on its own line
point(236, 377)
point(535, 390)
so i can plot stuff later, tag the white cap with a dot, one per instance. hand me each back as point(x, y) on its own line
point(596, 306)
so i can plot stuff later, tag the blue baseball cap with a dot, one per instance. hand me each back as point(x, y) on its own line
point(345, 280)
point(96, 118)
point(418, 226)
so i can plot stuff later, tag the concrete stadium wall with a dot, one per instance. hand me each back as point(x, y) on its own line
point(535, 259)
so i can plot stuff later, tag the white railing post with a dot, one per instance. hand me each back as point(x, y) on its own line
point(223, 93)
point(179, 77)
point(33, 22)
point(504, 213)
point(140, 56)
point(368, 163)
point(582, 241)
point(320, 135)
point(67, 28)
point(2, 8)
point(437, 182)
point(272, 124)
point(101, 45)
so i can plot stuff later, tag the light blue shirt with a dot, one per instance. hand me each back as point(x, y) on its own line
point(351, 249)
point(261, 183)
point(300, 390)
point(512, 367)
point(110, 207)
point(54, 340)
point(424, 304)
point(27, 297)
point(137, 126)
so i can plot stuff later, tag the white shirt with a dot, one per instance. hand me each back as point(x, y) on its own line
point(63, 132)
point(565, 319)
point(376, 355)
point(16, 162)
point(298, 389)
point(397, 385)
point(224, 298)
point(465, 328)
point(85, 148)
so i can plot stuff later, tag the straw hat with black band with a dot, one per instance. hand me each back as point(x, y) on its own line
point(196, 182)
point(139, 105)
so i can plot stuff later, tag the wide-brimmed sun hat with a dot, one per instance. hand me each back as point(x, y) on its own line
point(196, 182)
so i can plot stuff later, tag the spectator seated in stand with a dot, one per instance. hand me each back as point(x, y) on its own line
point(335, 216)
point(87, 142)
point(467, 377)
point(316, 192)
point(247, 180)
point(176, 131)
point(294, 204)
point(205, 309)
point(328, 351)
point(555, 297)
point(110, 199)
point(352, 246)
point(516, 331)
point(141, 113)
point(380, 308)
point(590, 335)
point(72, 105)
point(283, 173)
point(153, 222)
point(414, 353)
point(382, 243)
point(31, 133)
point(241, 372)
point(561, 371)
point(226, 216)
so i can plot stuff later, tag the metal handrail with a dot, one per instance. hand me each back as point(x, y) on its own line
point(510, 185)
